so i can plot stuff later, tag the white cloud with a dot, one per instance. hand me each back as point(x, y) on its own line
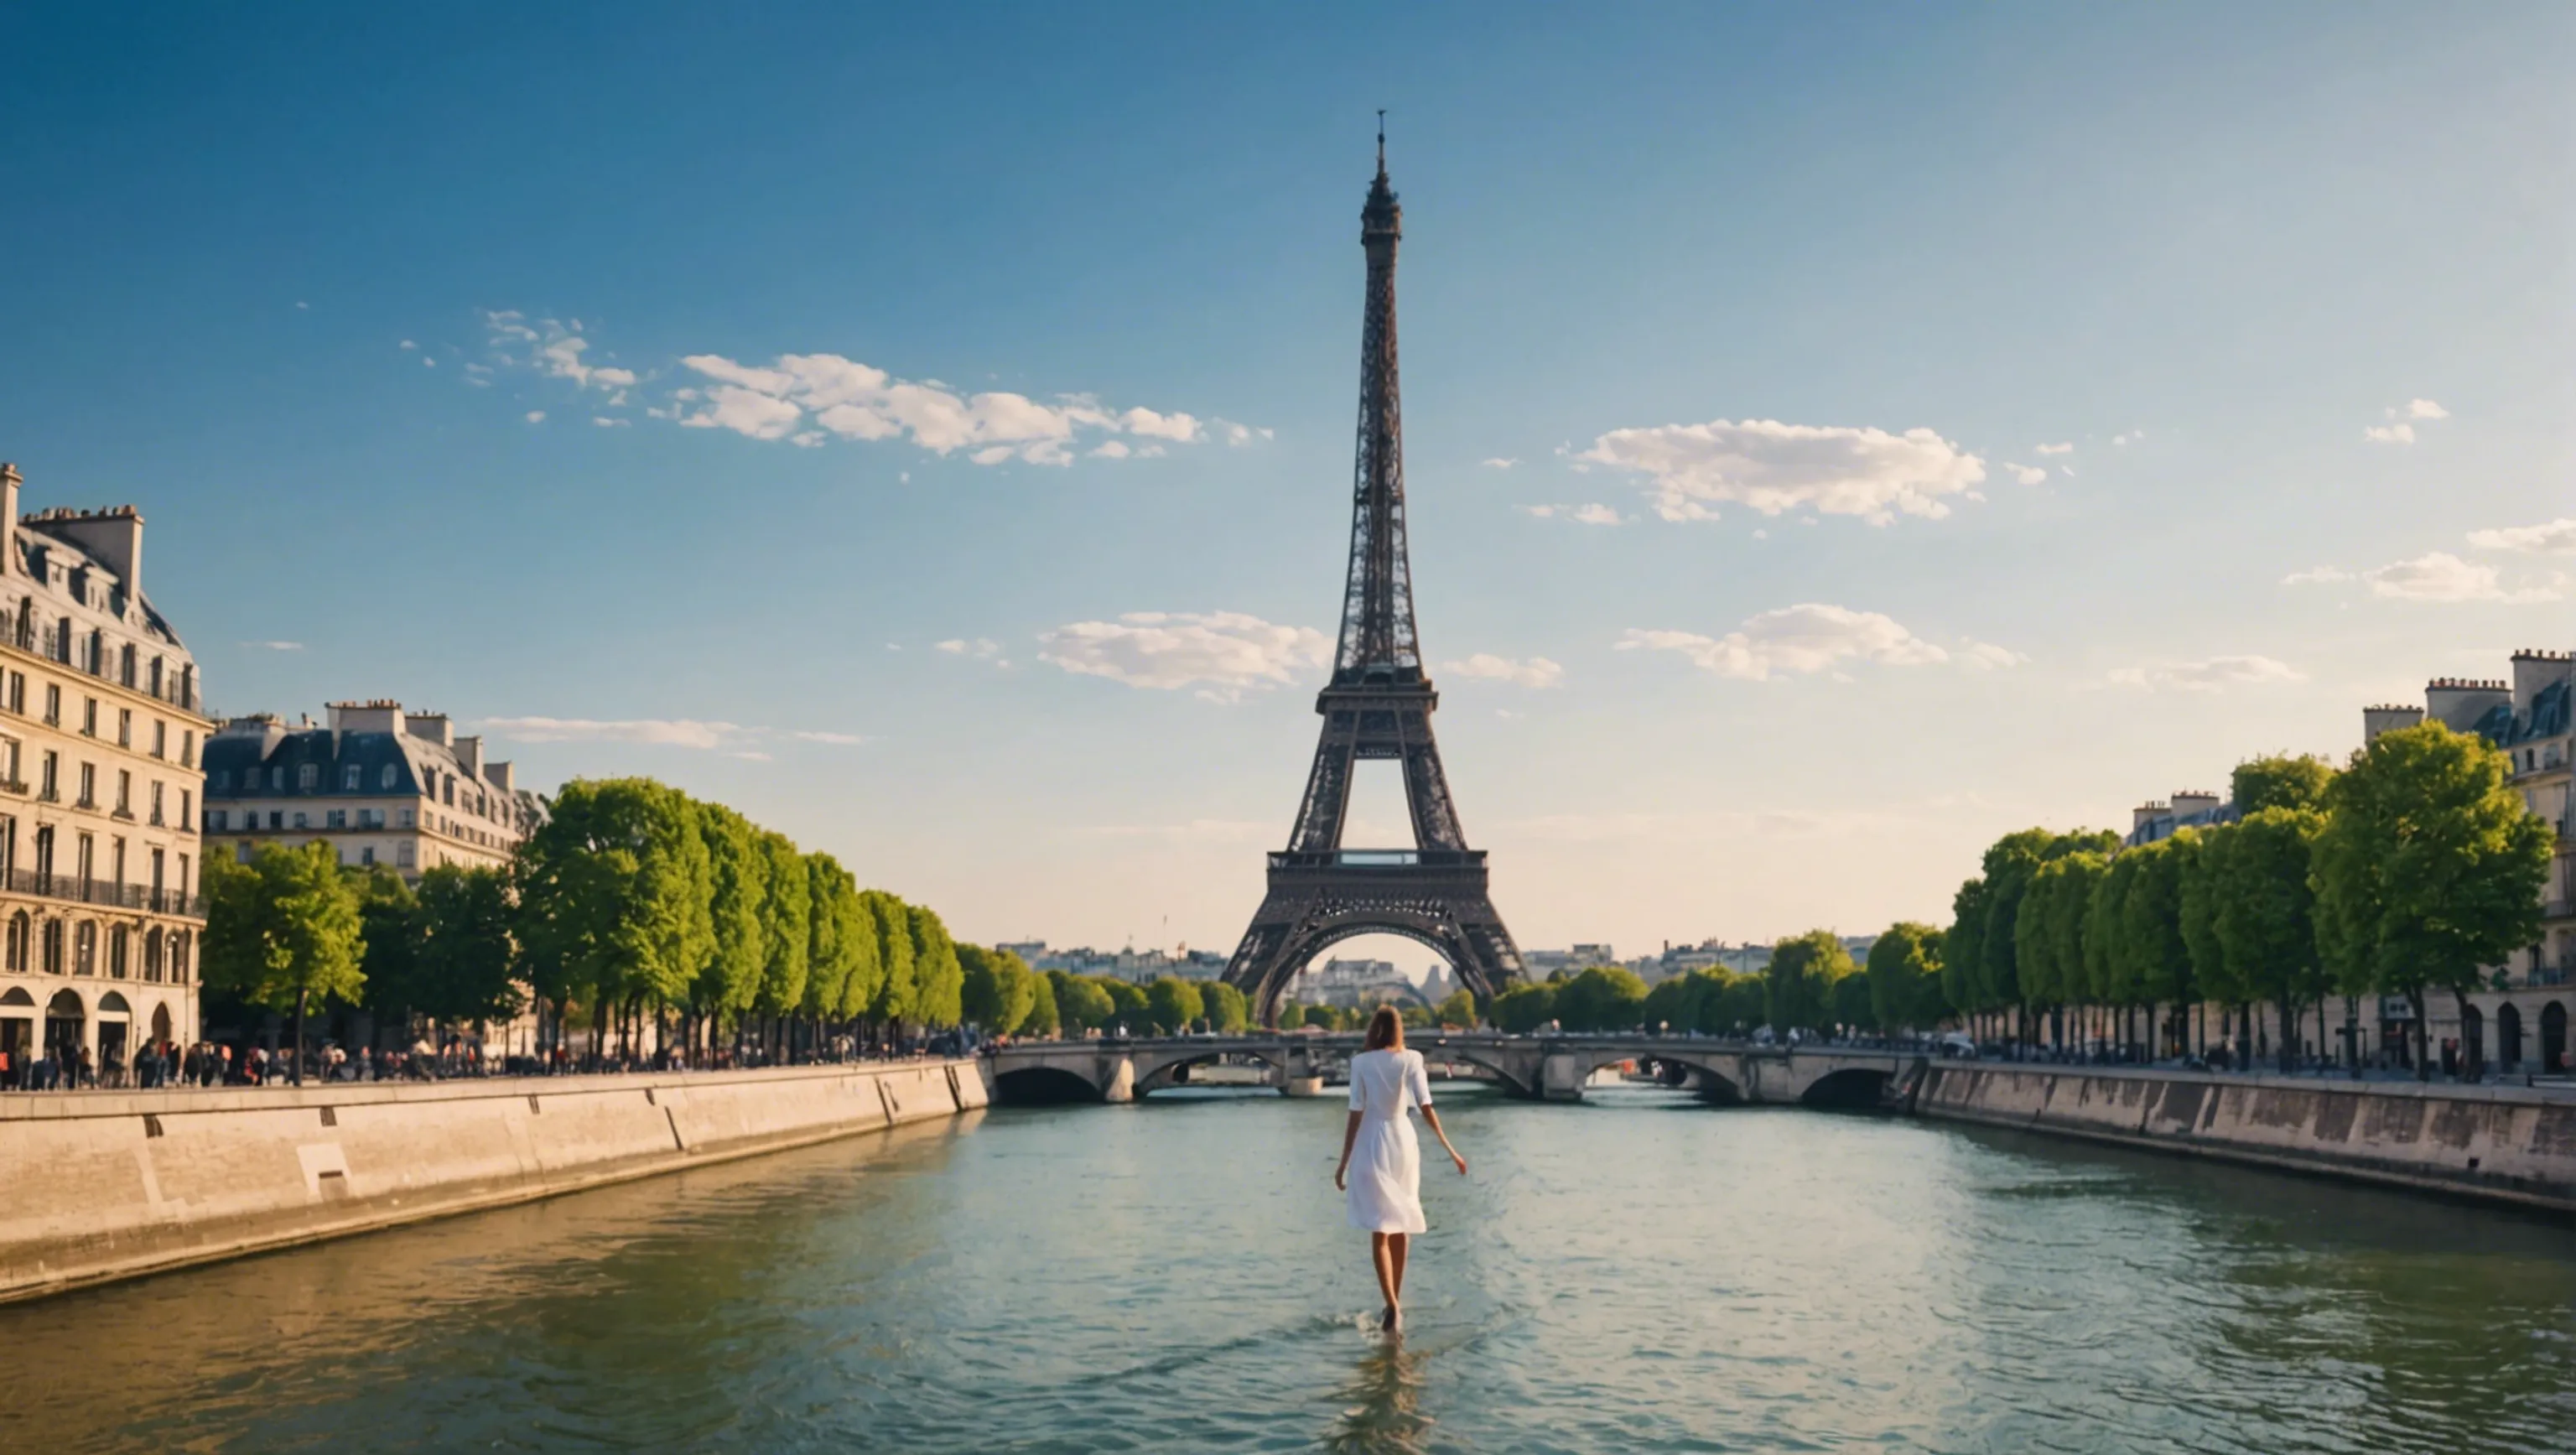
point(2557, 538)
point(2424, 409)
point(733, 739)
point(2130, 438)
point(604, 422)
point(1536, 672)
point(856, 401)
point(2066, 448)
point(2211, 675)
point(979, 647)
point(2402, 432)
point(2389, 434)
point(1240, 435)
point(2441, 576)
point(408, 344)
point(2027, 474)
point(1774, 467)
point(2316, 576)
point(1801, 639)
point(1986, 655)
point(1499, 463)
point(536, 416)
point(1229, 652)
point(275, 646)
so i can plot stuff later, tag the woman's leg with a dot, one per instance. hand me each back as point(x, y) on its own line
point(1384, 1260)
point(1396, 1244)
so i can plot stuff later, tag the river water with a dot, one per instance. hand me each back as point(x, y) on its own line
point(1636, 1273)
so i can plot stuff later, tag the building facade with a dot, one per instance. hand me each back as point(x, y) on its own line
point(100, 728)
point(380, 785)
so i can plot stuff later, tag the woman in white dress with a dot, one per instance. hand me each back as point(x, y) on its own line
point(1384, 1199)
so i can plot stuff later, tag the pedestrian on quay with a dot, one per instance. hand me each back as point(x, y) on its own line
point(1384, 1200)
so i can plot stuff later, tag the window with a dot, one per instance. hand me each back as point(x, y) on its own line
point(223, 780)
point(276, 820)
point(94, 653)
point(89, 717)
point(17, 696)
point(301, 821)
point(385, 776)
point(243, 850)
point(188, 748)
point(53, 947)
point(160, 738)
point(156, 807)
point(155, 679)
point(53, 705)
point(406, 819)
point(367, 855)
point(85, 948)
point(349, 777)
point(16, 957)
point(308, 777)
point(86, 861)
point(451, 790)
point(125, 727)
point(403, 855)
point(337, 818)
point(277, 778)
point(187, 806)
point(116, 861)
point(88, 785)
point(50, 789)
point(124, 791)
point(125, 664)
point(214, 820)
point(116, 949)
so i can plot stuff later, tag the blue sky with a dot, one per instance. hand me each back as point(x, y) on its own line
point(300, 283)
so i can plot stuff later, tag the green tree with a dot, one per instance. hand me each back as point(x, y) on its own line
point(1044, 1020)
point(839, 941)
point(1226, 1010)
point(2151, 924)
point(283, 930)
point(2264, 912)
point(388, 941)
point(1173, 1004)
point(1292, 1016)
point(2108, 975)
point(1130, 1010)
point(2281, 781)
point(1523, 1008)
point(465, 954)
point(1905, 977)
point(2428, 868)
point(786, 930)
point(997, 990)
point(896, 987)
point(1457, 1008)
point(937, 977)
point(1601, 998)
point(1798, 984)
point(1963, 947)
point(2204, 864)
point(1850, 1004)
point(737, 876)
point(614, 896)
point(1080, 1003)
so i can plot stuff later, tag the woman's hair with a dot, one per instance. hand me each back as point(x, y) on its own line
point(1385, 1032)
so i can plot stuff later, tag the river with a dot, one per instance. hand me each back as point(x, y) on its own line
point(1636, 1273)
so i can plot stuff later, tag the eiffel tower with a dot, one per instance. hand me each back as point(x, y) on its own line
point(1378, 705)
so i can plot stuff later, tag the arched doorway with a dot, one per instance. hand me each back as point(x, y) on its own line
point(2553, 1038)
point(161, 1025)
point(17, 1033)
point(115, 1039)
point(2473, 1037)
point(65, 1021)
point(2509, 1036)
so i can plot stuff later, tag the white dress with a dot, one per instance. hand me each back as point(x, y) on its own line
point(1385, 1188)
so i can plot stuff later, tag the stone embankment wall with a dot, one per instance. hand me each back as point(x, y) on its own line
point(103, 1185)
point(2512, 1144)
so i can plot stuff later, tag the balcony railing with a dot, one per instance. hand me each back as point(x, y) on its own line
point(114, 896)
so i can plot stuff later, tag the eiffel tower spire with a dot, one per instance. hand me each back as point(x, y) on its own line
point(1378, 705)
point(1379, 643)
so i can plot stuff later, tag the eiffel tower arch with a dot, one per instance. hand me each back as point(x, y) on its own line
point(1378, 705)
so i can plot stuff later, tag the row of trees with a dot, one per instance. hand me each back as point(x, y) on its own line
point(2408, 872)
point(633, 903)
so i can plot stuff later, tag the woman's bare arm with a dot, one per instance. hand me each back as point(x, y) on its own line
point(1350, 1138)
point(1432, 1119)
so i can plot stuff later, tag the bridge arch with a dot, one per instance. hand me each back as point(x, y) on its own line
point(1429, 928)
point(1852, 1086)
point(1044, 1086)
point(1157, 1073)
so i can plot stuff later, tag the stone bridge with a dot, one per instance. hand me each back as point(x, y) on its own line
point(1536, 1068)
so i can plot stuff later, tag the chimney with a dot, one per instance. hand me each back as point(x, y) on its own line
point(430, 725)
point(2387, 717)
point(469, 756)
point(2147, 813)
point(9, 482)
point(381, 715)
point(502, 776)
point(2193, 800)
point(113, 538)
point(2458, 702)
point(2535, 672)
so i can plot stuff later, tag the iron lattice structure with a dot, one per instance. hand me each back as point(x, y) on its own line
point(1378, 705)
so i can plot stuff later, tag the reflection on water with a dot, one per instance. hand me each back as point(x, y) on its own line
point(1637, 1272)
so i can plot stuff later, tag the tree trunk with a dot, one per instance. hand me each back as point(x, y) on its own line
point(2472, 1056)
point(2289, 1035)
point(295, 1068)
point(2423, 1064)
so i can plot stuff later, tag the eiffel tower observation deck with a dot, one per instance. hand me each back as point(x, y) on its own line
point(1378, 705)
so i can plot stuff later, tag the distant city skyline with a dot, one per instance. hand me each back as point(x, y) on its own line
point(1829, 445)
